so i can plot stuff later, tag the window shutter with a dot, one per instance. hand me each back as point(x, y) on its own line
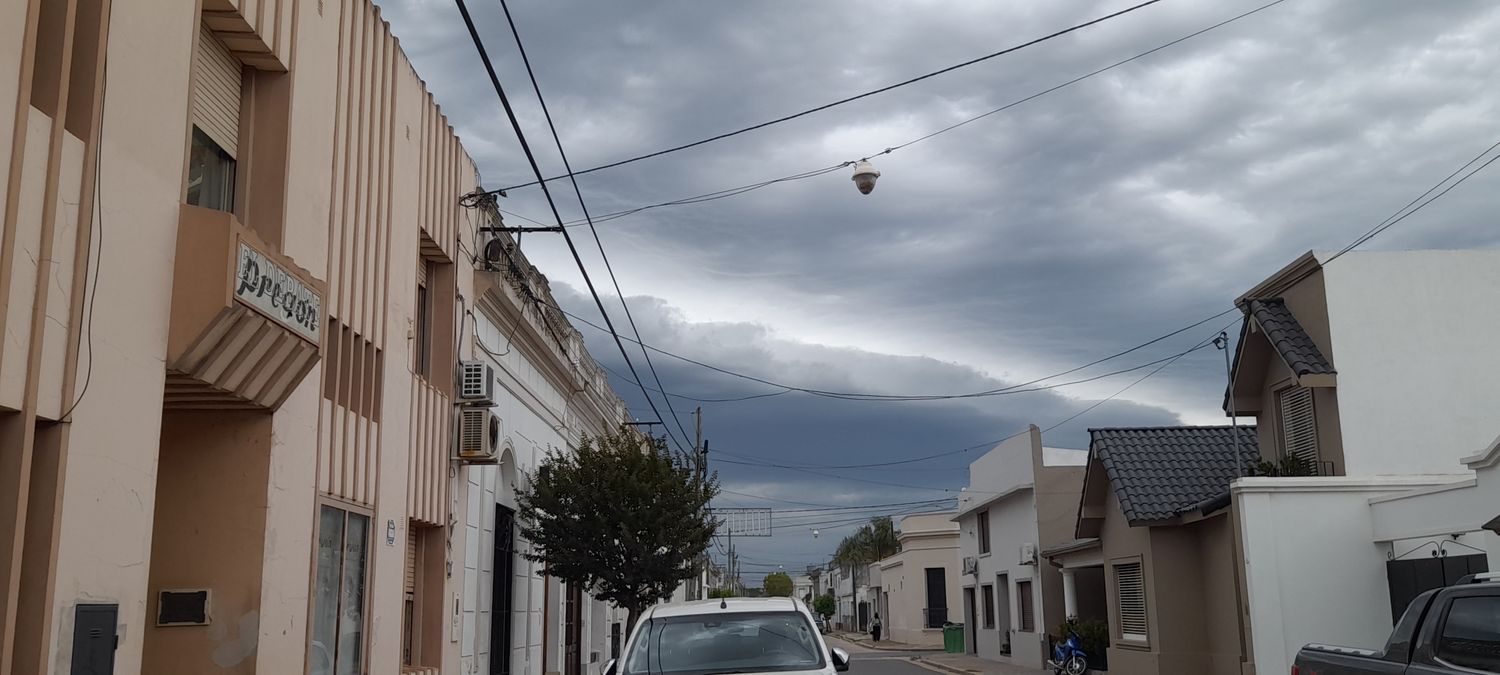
point(1028, 607)
point(216, 92)
point(1130, 599)
point(411, 561)
point(1299, 429)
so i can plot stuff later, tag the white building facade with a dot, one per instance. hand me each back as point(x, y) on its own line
point(548, 395)
point(1400, 419)
point(1005, 583)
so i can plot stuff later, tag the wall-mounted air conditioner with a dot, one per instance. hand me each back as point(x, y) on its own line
point(1028, 554)
point(478, 436)
point(476, 384)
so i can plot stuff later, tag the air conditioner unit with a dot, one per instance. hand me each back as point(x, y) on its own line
point(476, 383)
point(478, 436)
point(971, 565)
point(1028, 554)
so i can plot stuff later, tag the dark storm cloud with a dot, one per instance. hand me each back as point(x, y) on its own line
point(1094, 218)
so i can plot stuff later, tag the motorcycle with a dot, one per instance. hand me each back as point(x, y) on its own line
point(1068, 657)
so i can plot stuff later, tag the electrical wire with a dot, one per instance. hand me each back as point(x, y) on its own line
point(731, 192)
point(94, 260)
point(531, 159)
point(557, 141)
point(842, 101)
point(1393, 219)
point(1015, 388)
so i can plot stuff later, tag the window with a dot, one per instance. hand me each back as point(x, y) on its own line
point(1130, 601)
point(339, 593)
point(984, 531)
point(1298, 425)
point(721, 643)
point(1468, 639)
point(210, 174)
point(1028, 608)
point(422, 350)
point(417, 606)
point(987, 598)
point(217, 79)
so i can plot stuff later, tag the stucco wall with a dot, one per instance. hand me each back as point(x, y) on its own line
point(1417, 389)
point(1122, 543)
point(927, 540)
point(110, 476)
point(1317, 579)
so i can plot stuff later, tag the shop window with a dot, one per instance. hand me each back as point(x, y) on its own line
point(338, 631)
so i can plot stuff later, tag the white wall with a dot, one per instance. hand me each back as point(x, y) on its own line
point(532, 414)
point(1413, 336)
point(1313, 579)
point(1005, 470)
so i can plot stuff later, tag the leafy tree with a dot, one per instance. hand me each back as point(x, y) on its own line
point(825, 606)
point(871, 543)
point(623, 517)
point(778, 584)
point(716, 593)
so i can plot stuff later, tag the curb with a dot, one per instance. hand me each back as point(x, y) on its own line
point(886, 646)
point(934, 665)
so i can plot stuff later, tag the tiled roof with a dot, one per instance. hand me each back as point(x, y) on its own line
point(1158, 473)
point(1291, 341)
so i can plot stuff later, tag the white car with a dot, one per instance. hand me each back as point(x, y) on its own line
point(728, 637)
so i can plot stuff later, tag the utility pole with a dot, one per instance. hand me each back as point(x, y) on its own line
point(1222, 342)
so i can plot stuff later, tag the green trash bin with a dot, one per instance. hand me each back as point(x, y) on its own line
point(953, 638)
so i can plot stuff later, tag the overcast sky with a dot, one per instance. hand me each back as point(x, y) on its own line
point(1037, 239)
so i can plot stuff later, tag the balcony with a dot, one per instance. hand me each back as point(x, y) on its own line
point(246, 321)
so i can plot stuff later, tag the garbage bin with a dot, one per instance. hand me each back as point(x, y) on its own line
point(953, 638)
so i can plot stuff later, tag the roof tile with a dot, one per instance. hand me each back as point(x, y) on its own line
point(1283, 331)
point(1159, 473)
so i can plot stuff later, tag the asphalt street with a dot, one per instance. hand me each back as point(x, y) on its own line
point(864, 661)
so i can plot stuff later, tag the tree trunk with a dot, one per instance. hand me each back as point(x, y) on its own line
point(632, 615)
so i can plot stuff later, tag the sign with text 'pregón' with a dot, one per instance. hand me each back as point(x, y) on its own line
point(277, 293)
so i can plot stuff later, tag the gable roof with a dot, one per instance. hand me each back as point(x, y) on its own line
point(1291, 341)
point(1160, 473)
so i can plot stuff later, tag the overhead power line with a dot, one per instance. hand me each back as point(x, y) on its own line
point(1011, 389)
point(531, 159)
point(557, 140)
point(842, 101)
point(742, 189)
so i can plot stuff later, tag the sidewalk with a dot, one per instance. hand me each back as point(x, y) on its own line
point(966, 664)
point(864, 640)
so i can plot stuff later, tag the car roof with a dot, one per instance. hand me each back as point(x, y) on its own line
point(726, 605)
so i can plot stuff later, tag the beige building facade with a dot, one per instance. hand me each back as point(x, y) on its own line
point(235, 286)
point(923, 575)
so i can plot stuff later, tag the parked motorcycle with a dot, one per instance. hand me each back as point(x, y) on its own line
point(1068, 657)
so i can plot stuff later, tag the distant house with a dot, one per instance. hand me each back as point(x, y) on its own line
point(1022, 498)
point(1153, 526)
point(919, 584)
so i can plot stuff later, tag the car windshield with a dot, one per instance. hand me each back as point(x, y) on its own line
point(715, 644)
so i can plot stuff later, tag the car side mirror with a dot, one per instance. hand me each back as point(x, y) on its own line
point(840, 659)
point(609, 667)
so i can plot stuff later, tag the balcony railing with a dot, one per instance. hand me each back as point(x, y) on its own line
point(934, 617)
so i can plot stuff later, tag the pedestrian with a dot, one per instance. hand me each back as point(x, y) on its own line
point(875, 628)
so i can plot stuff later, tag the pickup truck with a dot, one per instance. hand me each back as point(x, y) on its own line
point(1453, 630)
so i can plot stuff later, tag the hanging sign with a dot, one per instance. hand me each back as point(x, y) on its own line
point(277, 293)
